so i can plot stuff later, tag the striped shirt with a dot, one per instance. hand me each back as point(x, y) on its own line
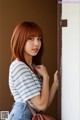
point(23, 82)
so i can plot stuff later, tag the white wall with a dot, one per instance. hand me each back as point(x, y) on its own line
point(71, 62)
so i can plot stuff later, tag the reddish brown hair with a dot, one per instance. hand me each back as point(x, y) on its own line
point(20, 35)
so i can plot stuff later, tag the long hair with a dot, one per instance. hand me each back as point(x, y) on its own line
point(19, 37)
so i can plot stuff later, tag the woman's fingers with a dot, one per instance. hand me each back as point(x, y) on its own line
point(41, 69)
point(56, 80)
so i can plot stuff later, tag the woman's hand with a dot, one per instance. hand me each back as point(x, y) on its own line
point(41, 69)
point(56, 81)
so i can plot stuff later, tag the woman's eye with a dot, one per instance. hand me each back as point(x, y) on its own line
point(39, 39)
point(31, 38)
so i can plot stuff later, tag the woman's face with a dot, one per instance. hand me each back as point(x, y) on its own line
point(32, 46)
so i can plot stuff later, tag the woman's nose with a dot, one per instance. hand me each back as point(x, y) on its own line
point(36, 42)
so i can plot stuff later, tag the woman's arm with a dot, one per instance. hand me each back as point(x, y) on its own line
point(53, 89)
point(41, 101)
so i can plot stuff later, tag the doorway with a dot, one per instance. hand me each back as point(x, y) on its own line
point(43, 13)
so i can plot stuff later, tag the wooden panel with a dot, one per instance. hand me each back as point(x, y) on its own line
point(59, 54)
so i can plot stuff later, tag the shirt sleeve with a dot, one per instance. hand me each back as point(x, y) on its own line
point(25, 83)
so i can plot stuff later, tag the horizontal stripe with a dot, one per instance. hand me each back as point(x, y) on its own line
point(19, 71)
point(30, 96)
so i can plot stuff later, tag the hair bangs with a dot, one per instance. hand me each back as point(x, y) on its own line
point(36, 31)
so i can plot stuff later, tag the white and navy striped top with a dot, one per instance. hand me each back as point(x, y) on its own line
point(23, 82)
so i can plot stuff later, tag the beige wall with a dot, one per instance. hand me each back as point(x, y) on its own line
point(42, 12)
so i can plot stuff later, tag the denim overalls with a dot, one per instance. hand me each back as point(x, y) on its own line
point(20, 111)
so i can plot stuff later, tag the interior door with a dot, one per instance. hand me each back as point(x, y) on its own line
point(11, 13)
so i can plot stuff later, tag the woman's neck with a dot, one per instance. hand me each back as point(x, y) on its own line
point(28, 60)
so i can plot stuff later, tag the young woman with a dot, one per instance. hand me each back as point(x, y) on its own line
point(28, 79)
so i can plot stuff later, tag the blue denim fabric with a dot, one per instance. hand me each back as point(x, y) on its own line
point(20, 111)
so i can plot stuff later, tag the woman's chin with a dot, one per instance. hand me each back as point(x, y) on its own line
point(34, 54)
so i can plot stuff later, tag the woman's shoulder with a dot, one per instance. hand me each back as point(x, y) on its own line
point(18, 64)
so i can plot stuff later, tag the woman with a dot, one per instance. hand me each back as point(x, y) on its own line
point(28, 79)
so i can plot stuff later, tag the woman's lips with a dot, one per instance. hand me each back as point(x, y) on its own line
point(35, 49)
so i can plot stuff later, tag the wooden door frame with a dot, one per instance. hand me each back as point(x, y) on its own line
point(59, 53)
